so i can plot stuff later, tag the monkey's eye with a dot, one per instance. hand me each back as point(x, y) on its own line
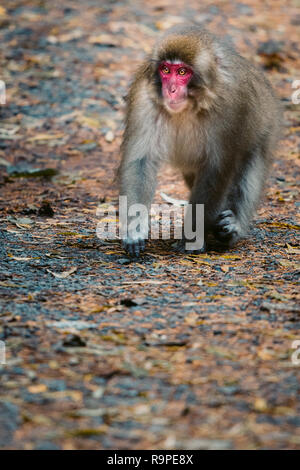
point(165, 69)
point(182, 71)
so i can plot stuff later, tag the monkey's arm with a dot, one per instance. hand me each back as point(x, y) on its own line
point(137, 183)
point(138, 169)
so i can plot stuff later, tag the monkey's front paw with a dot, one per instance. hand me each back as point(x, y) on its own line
point(227, 228)
point(134, 247)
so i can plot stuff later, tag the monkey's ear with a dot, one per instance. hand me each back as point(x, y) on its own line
point(152, 66)
point(147, 69)
point(205, 65)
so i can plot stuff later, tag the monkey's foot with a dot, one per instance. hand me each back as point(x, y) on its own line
point(134, 247)
point(181, 248)
point(227, 228)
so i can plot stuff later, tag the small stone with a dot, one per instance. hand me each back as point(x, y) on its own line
point(73, 341)
point(45, 210)
point(109, 136)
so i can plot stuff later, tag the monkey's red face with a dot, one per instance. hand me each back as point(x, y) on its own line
point(175, 79)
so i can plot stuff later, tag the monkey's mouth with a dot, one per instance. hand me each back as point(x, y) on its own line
point(176, 105)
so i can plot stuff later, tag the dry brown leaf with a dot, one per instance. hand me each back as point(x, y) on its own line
point(293, 249)
point(39, 388)
point(225, 268)
point(107, 39)
point(191, 319)
point(260, 404)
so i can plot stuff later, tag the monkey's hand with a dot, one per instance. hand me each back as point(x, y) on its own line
point(227, 228)
point(134, 247)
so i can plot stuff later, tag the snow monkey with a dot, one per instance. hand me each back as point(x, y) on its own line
point(197, 104)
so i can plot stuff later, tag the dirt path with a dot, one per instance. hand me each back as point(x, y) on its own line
point(172, 351)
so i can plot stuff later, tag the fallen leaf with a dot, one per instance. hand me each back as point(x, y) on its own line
point(168, 22)
point(266, 354)
point(39, 388)
point(24, 172)
point(260, 405)
point(45, 137)
point(63, 274)
point(293, 249)
point(225, 268)
point(191, 319)
point(4, 162)
point(20, 258)
point(289, 264)
point(105, 39)
point(171, 200)
point(68, 325)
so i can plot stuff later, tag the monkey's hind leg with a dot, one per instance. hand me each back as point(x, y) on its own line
point(232, 223)
point(189, 179)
